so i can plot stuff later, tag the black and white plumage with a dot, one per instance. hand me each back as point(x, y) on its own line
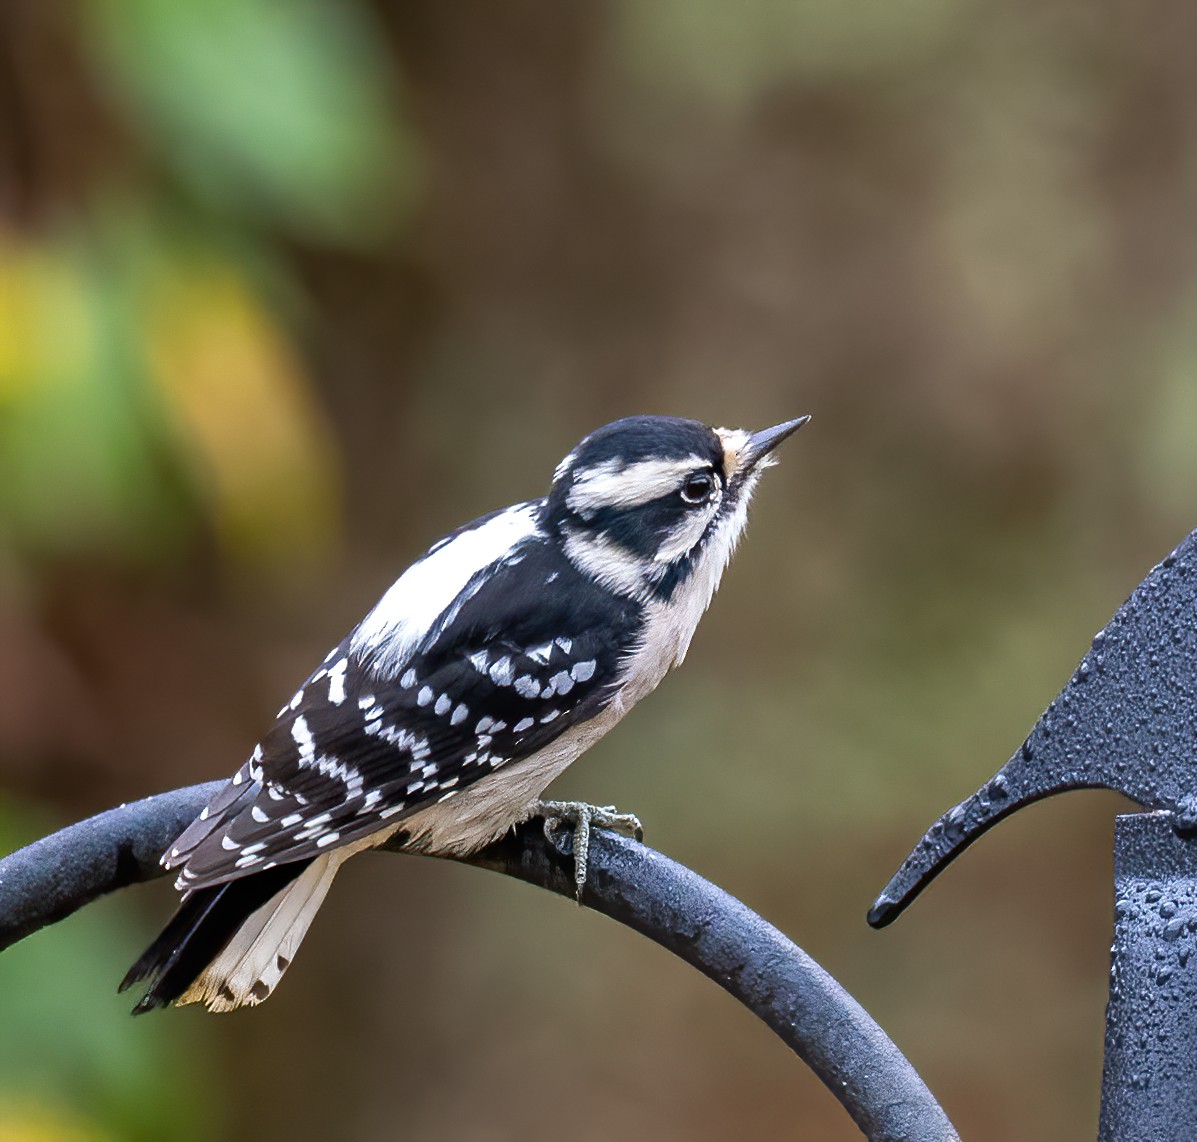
point(497, 658)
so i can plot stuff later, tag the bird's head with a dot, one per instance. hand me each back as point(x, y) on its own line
point(649, 502)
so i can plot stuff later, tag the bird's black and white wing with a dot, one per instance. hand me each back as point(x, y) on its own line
point(467, 665)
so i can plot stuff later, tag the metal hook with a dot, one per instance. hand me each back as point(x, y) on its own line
point(1127, 721)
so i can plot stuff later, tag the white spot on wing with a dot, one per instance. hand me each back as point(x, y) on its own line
point(562, 682)
point(443, 704)
point(583, 671)
point(336, 682)
point(302, 737)
point(527, 686)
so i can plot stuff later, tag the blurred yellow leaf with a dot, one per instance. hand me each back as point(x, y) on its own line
point(262, 449)
point(30, 1122)
point(79, 466)
point(44, 331)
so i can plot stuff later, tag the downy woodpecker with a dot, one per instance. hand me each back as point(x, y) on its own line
point(494, 661)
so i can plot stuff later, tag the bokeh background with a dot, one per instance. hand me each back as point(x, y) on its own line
point(287, 290)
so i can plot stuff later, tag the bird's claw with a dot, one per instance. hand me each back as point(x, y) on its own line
point(583, 818)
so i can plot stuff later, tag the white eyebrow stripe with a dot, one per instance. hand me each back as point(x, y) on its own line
point(614, 484)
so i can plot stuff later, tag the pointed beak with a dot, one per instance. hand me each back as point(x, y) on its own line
point(760, 444)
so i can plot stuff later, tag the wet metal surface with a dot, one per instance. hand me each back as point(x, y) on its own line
point(1149, 1088)
point(1126, 720)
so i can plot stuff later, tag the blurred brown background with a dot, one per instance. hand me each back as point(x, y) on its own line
point(288, 290)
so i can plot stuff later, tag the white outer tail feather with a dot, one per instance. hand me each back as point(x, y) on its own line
point(254, 960)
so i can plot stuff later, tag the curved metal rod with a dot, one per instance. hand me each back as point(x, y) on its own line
point(697, 921)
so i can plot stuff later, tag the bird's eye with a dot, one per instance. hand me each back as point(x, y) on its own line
point(698, 488)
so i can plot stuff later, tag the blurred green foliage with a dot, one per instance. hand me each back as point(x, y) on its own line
point(151, 395)
point(270, 111)
point(73, 1066)
point(736, 54)
point(147, 388)
point(78, 469)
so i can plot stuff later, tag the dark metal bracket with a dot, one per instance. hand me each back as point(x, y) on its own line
point(1127, 721)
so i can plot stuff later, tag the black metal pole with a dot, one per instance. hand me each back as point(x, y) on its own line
point(652, 894)
point(1149, 1085)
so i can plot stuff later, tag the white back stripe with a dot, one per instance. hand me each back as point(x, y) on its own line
point(431, 591)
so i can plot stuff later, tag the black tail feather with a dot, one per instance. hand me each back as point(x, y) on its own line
point(204, 923)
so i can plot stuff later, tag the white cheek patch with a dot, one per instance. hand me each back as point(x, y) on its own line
point(688, 533)
point(433, 588)
point(613, 566)
point(614, 484)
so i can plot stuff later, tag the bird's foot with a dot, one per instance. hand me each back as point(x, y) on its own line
point(583, 818)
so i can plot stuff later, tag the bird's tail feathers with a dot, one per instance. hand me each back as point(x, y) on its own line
point(209, 921)
point(250, 965)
